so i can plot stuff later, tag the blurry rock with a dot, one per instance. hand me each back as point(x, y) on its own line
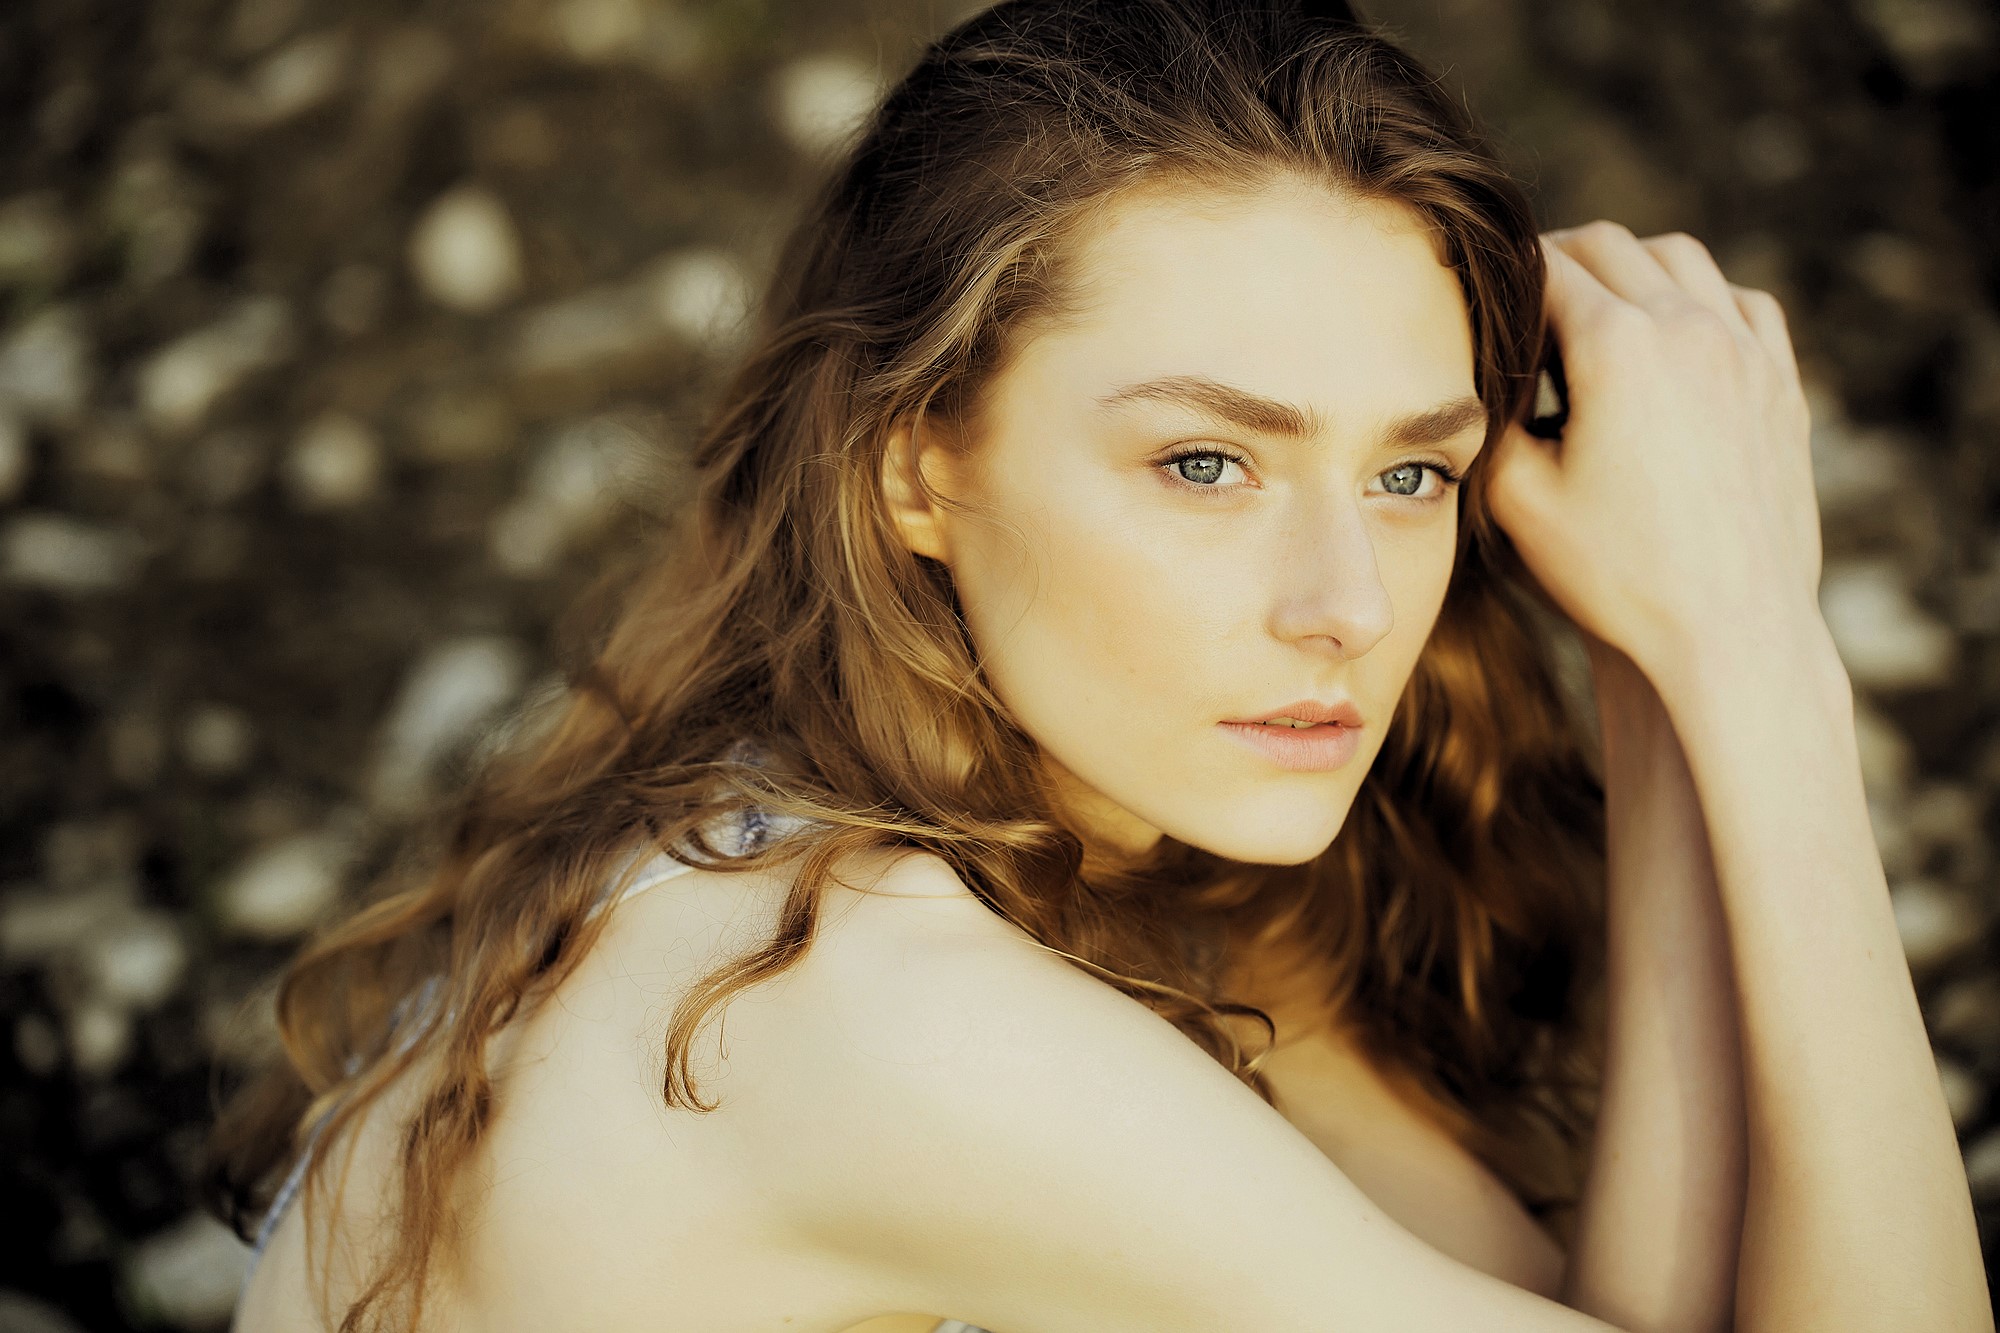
point(599, 30)
point(1773, 149)
point(1934, 41)
point(522, 136)
point(580, 332)
point(1982, 1166)
point(180, 383)
point(38, 1046)
point(283, 888)
point(188, 1276)
point(1967, 1014)
point(569, 490)
point(217, 740)
point(653, 36)
point(1976, 605)
point(298, 78)
point(225, 466)
point(135, 961)
point(24, 1314)
point(461, 425)
point(1945, 819)
point(408, 64)
point(156, 209)
point(703, 295)
point(1896, 267)
point(37, 242)
point(36, 926)
point(464, 251)
point(92, 853)
point(286, 84)
point(335, 462)
point(1936, 923)
point(821, 100)
point(15, 463)
point(256, 25)
point(351, 301)
point(450, 693)
point(1963, 1092)
point(65, 115)
point(1886, 640)
point(100, 1037)
point(1886, 759)
point(525, 540)
point(64, 554)
point(114, 450)
point(45, 369)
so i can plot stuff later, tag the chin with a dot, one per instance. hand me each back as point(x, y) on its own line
point(1268, 829)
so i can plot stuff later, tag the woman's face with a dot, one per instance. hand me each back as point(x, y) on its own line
point(1217, 491)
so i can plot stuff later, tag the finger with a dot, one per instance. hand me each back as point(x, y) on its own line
point(1616, 258)
point(1577, 302)
point(1689, 263)
point(1766, 318)
point(1521, 480)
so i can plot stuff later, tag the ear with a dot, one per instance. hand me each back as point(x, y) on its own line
point(909, 457)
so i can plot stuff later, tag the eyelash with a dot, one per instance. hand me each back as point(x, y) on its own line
point(1446, 475)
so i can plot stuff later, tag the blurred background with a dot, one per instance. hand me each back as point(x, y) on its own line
point(342, 340)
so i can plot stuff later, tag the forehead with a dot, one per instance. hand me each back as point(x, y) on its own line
point(1293, 291)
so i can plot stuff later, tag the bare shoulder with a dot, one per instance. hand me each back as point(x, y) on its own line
point(976, 1125)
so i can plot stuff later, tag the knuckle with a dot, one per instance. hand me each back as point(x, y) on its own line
point(1683, 244)
point(1604, 231)
point(1697, 324)
point(1763, 302)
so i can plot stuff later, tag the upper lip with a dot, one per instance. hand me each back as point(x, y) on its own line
point(1312, 710)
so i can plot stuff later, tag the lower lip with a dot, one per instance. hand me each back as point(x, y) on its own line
point(1301, 749)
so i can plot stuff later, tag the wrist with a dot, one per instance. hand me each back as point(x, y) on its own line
point(1792, 651)
point(1772, 668)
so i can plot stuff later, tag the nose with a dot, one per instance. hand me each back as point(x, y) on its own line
point(1331, 597)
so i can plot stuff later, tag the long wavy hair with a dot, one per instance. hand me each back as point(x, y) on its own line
point(1456, 917)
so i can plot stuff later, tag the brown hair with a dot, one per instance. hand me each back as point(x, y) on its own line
point(1457, 910)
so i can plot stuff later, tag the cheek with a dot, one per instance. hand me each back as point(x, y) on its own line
point(1084, 611)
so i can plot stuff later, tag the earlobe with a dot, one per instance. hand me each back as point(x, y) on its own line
point(918, 519)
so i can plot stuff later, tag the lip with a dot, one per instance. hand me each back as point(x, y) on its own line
point(1342, 711)
point(1312, 750)
point(1315, 749)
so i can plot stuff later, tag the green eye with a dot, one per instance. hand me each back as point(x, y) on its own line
point(1201, 469)
point(1406, 479)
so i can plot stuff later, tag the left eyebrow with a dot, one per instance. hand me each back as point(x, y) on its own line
point(1271, 416)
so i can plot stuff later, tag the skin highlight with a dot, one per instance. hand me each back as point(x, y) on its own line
point(1123, 611)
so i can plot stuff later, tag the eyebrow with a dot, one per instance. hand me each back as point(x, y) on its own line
point(1270, 416)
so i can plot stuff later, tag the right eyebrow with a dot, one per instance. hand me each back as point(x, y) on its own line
point(1272, 416)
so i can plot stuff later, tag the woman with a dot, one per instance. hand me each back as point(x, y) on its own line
point(1093, 741)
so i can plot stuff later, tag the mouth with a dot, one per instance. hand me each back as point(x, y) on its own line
point(1314, 747)
point(1304, 714)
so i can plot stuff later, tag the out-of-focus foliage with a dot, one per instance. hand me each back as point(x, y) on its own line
point(341, 342)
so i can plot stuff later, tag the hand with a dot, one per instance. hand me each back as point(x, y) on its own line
point(1677, 507)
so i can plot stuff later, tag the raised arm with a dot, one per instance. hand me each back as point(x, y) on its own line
point(1859, 1216)
point(966, 1125)
point(1662, 1209)
point(1676, 521)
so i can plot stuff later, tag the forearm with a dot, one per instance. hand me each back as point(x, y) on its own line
point(1661, 1214)
point(1857, 1216)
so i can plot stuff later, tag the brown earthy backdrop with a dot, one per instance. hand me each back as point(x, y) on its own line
point(341, 339)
